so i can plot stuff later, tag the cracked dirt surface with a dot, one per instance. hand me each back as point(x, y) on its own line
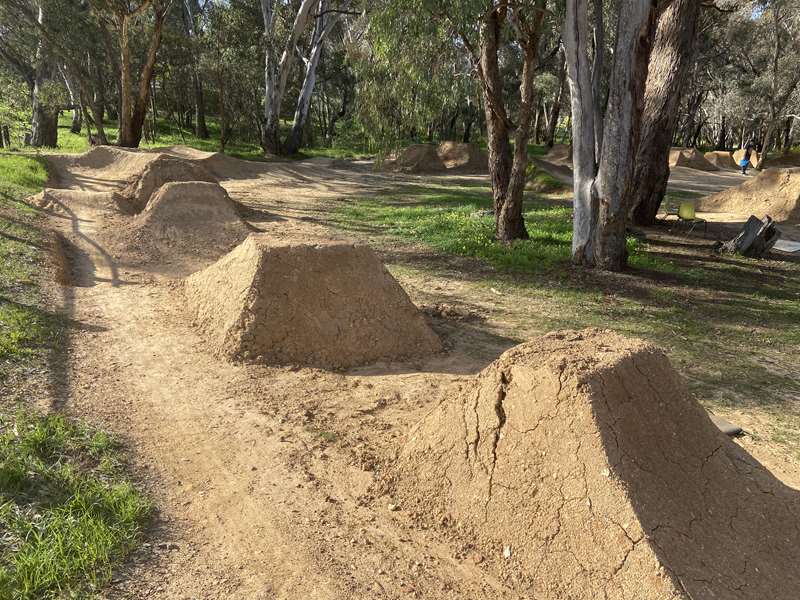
point(282, 482)
point(577, 466)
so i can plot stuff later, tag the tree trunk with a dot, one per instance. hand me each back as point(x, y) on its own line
point(74, 101)
point(576, 39)
point(669, 66)
point(201, 130)
point(44, 119)
point(499, 147)
point(555, 111)
point(276, 73)
point(723, 135)
point(787, 135)
point(598, 66)
point(622, 127)
point(322, 26)
point(602, 202)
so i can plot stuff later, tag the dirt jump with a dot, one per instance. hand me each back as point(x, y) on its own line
point(417, 158)
point(330, 305)
point(690, 158)
point(774, 192)
point(721, 159)
point(738, 156)
point(162, 169)
point(580, 465)
point(463, 158)
point(182, 222)
point(306, 432)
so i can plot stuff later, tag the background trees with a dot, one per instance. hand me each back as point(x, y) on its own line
point(623, 80)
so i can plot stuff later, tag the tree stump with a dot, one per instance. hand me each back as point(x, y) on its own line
point(755, 239)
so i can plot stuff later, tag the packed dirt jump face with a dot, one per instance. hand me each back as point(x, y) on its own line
point(184, 223)
point(774, 192)
point(162, 169)
point(463, 158)
point(721, 159)
point(328, 305)
point(417, 158)
point(579, 467)
point(690, 158)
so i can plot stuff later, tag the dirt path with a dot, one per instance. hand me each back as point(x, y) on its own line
point(266, 480)
point(681, 178)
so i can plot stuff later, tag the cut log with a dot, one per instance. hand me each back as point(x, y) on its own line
point(755, 239)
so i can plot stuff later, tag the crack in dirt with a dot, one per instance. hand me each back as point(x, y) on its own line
point(501, 421)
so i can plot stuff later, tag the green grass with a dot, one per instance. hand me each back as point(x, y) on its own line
point(24, 325)
point(68, 515)
point(456, 221)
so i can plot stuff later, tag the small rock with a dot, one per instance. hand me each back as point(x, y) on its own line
point(506, 552)
point(393, 507)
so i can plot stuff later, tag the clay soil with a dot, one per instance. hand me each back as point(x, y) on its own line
point(272, 482)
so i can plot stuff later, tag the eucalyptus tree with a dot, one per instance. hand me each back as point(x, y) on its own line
point(604, 184)
point(502, 42)
point(127, 19)
point(669, 64)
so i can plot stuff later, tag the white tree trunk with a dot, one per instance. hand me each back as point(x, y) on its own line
point(276, 74)
point(576, 43)
point(603, 192)
point(321, 29)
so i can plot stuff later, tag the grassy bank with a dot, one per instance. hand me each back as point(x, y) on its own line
point(68, 513)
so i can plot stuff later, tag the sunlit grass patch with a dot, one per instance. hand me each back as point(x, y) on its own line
point(68, 514)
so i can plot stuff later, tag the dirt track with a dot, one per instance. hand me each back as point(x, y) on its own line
point(267, 479)
point(263, 476)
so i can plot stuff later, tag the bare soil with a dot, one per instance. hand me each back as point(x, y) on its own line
point(579, 467)
point(464, 158)
point(721, 159)
point(277, 482)
point(417, 158)
point(330, 305)
point(774, 192)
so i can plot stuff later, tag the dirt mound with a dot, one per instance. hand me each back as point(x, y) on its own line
point(560, 154)
point(691, 159)
point(773, 192)
point(123, 161)
point(162, 169)
point(464, 158)
point(64, 202)
point(417, 158)
point(578, 466)
point(721, 159)
point(184, 223)
point(738, 156)
point(217, 164)
point(329, 305)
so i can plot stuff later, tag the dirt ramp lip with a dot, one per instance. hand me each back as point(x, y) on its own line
point(162, 169)
point(330, 305)
point(580, 467)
